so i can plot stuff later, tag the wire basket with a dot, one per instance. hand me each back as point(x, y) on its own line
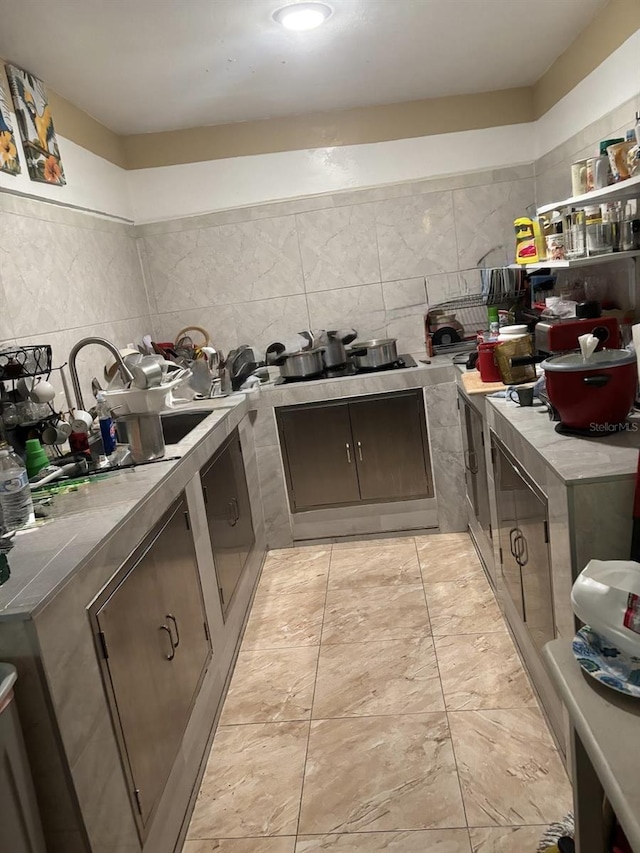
point(18, 362)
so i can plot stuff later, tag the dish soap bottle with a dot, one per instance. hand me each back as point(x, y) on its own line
point(107, 426)
point(15, 494)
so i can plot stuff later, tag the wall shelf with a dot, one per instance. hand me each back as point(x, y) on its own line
point(616, 192)
point(609, 258)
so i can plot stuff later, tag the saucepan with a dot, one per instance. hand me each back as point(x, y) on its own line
point(368, 355)
point(300, 365)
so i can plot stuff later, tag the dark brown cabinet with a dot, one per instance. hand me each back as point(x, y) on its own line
point(369, 450)
point(524, 547)
point(226, 497)
point(154, 644)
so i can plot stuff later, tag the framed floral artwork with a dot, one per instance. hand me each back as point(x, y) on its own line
point(35, 124)
point(9, 162)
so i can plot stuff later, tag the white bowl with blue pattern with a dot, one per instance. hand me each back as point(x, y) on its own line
point(606, 663)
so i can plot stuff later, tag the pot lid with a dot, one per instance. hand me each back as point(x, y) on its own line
point(376, 342)
point(574, 362)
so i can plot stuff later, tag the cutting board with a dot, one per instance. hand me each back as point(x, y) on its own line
point(474, 385)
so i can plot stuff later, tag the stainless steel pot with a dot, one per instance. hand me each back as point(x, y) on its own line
point(368, 355)
point(334, 353)
point(300, 365)
point(143, 433)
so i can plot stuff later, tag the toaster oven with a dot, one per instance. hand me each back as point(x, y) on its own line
point(553, 336)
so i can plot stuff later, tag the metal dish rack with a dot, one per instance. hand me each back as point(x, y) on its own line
point(20, 362)
point(471, 312)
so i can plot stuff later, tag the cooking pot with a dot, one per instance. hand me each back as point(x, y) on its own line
point(334, 353)
point(300, 365)
point(591, 393)
point(369, 355)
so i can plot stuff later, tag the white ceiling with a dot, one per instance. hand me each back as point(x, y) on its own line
point(148, 65)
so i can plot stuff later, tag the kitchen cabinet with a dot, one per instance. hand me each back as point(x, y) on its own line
point(154, 646)
point(477, 482)
point(226, 497)
point(524, 546)
point(363, 450)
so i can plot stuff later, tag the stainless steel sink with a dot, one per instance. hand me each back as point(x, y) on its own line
point(177, 425)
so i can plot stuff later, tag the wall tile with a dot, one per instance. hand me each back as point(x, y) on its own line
point(416, 236)
point(406, 293)
point(219, 321)
point(338, 247)
point(269, 320)
point(225, 265)
point(484, 217)
point(360, 307)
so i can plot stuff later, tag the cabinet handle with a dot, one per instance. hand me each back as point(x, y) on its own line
point(236, 510)
point(205, 495)
point(523, 551)
point(175, 625)
point(359, 451)
point(348, 453)
point(231, 514)
point(173, 648)
point(511, 542)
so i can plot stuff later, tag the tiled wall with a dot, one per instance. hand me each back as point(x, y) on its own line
point(553, 171)
point(257, 274)
point(65, 275)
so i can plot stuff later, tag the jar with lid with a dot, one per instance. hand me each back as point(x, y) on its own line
point(574, 235)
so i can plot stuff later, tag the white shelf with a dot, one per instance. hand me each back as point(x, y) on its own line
point(609, 258)
point(616, 192)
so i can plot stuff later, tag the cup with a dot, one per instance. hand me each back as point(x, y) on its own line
point(579, 177)
point(57, 433)
point(81, 421)
point(147, 374)
point(597, 173)
point(525, 396)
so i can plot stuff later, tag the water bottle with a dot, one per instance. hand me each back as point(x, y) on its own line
point(15, 494)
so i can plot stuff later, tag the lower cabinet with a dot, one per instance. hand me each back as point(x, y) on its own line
point(369, 449)
point(477, 482)
point(226, 497)
point(524, 546)
point(154, 645)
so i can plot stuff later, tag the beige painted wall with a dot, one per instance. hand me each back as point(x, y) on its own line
point(603, 35)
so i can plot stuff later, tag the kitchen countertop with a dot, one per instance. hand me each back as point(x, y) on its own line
point(607, 724)
point(46, 556)
point(573, 458)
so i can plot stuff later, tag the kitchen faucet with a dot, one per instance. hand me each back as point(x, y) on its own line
point(124, 371)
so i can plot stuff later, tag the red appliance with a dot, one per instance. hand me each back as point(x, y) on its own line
point(596, 394)
point(489, 370)
point(562, 335)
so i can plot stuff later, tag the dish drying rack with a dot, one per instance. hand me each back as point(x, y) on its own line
point(470, 313)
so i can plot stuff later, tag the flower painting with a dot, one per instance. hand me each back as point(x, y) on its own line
point(36, 127)
point(8, 151)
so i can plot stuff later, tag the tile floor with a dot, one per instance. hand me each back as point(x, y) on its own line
point(378, 704)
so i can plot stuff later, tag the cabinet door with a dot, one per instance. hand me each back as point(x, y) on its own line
point(141, 672)
point(389, 447)
point(184, 613)
point(536, 571)
point(507, 484)
point(218, 487)
point(244, 525)
point(479, 467)
point(319, 456)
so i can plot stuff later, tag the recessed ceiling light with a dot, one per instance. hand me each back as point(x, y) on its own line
point(302, 16)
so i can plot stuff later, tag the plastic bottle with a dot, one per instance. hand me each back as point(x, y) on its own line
point(107, 426)
point(15, 494)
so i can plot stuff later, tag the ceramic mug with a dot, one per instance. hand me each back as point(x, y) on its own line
point(597, 173)
point(81, 421)
point(579, 177)
point(57, 433)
